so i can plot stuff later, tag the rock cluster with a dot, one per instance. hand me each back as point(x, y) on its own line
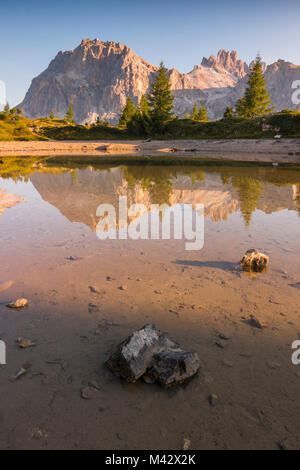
point(148, 353)
point(254, 261)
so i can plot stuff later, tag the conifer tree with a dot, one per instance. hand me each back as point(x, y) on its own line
point(161, 98)
point(256, 101)
point(228, 112)
point(128, 112)
point(202, 114)
point(145, 106)
point(70, 114)
point(194, 113)
point(6, 110)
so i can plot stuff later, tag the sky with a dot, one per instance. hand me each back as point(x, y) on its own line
point(178, 32)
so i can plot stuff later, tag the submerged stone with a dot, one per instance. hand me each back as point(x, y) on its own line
point(255, 261)
point(148, 353)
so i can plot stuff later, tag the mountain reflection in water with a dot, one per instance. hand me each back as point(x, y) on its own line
point(223, 190)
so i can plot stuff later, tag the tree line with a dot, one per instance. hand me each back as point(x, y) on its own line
point(156, 108)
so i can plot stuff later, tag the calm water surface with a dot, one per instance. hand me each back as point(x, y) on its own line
point(77, 314)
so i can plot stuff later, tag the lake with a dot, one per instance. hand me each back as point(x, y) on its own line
point(77, 313)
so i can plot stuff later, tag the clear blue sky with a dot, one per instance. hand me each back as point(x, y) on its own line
point(178, 32)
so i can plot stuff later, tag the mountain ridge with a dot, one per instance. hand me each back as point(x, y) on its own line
point(98, 76)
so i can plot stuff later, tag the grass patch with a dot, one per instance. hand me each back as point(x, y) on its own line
point(285, 123)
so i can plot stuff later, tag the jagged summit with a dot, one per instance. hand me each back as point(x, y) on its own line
point(228, 61)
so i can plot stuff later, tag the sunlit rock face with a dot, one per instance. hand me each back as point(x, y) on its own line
point(8, 200)
point(97, 77)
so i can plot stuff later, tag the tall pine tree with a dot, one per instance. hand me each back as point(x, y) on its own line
point(194, 113)
point(70, 114)
point(128, 112)
point(161, 98)
point(256, 101)
point(202, 114)
point(145, 106)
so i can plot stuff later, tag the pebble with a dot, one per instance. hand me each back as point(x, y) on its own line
point(273, 365)
point(24, 343)
point(38, 433)
point(88, 393)
point(254, 321)
point(227, 363)
point(186, 444)
point(213, 399)
point(19, 303)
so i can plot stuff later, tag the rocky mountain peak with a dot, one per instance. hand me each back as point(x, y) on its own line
point(97, 77)
point(228, 61)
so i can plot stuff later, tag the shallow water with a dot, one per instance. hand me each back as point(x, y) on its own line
point(50, 249)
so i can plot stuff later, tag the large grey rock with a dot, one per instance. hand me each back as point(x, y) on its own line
point(173, 366)
point(149, 353)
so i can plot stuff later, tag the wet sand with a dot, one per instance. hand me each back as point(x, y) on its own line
point(257, 150)
point(192, 296)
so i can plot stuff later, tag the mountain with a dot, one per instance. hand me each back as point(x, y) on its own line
point(279, 76)
point(228, 61)
point(98, 76)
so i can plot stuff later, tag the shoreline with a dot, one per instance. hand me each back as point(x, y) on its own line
point(247, 150)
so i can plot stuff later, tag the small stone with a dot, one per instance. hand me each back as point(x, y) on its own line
point(219, 344)
point(224, 337)
point(22, 371)
point(186, 444)
point(213, 399)
point(255, 322)
point(94, 384)
point(38, 433)
point(94, 289)
point(19, 303)
point(73, 258)
point(273, 365)
point(122, 287)
point(289, 443)
point(24, 343)
point(227, 363)
point(88, 393)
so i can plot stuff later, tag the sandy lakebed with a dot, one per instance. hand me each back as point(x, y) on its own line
point(258, 150)
point(77, 314)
